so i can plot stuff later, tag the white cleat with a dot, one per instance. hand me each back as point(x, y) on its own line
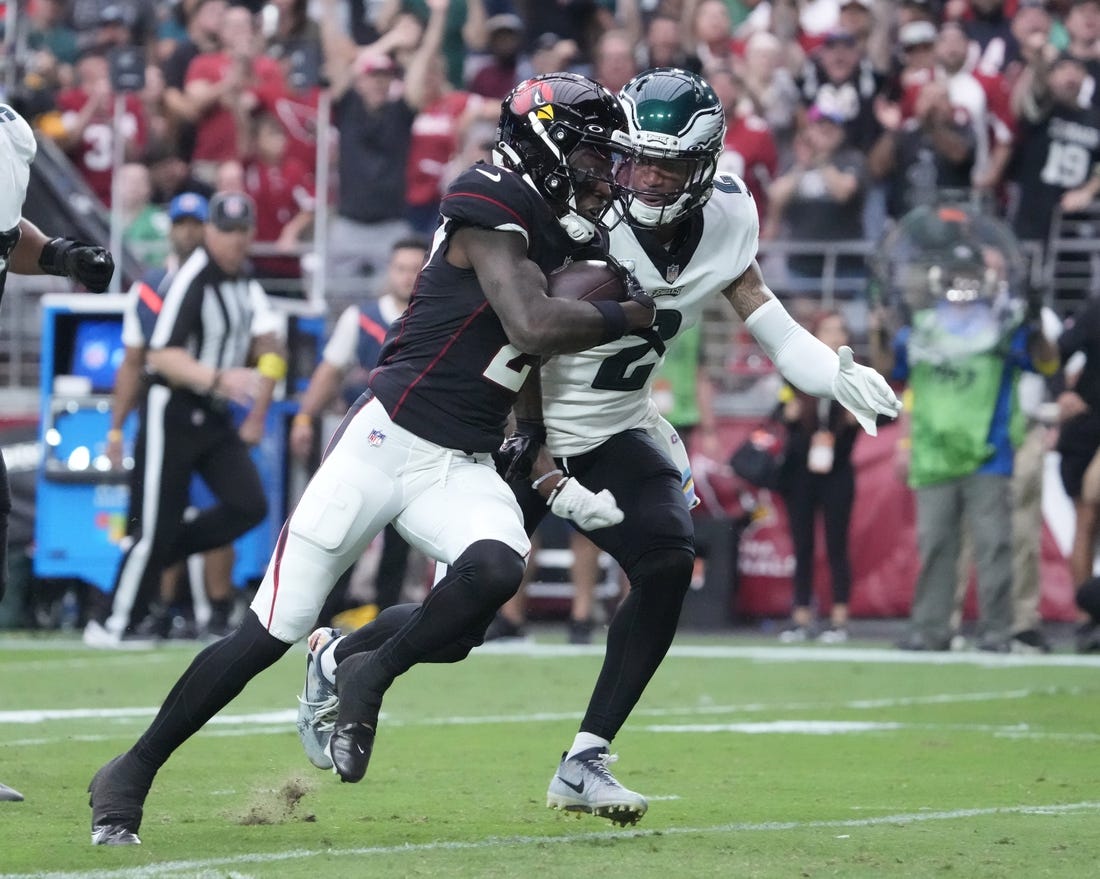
point(583, 783)
point(318, 704)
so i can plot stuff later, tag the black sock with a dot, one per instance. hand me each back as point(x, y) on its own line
point(215, 677)
point(638, 638)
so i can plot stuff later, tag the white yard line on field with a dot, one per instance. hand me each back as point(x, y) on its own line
point(773, 727)
point(282, 716)
point(845, 727)
point(73, 654)
point(194, 866)
point(34, 716)
point(812, 653)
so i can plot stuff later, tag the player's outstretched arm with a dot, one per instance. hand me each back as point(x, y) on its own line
point(806, 362)
point(516, 289)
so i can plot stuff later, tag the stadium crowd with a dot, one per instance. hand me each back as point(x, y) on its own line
point(841, 113)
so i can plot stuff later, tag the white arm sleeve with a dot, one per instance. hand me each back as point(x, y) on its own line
point(804, 361)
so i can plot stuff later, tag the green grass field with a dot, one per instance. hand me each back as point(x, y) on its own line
point(759, 761)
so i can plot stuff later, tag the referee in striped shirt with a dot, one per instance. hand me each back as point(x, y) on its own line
point(213, 321)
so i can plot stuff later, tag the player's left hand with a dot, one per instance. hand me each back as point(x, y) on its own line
point(589, 511)
point(863, 392)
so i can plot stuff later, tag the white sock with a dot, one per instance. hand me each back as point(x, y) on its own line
point(584, 741)
point(327, 660)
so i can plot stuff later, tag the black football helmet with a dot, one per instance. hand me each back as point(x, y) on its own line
point(676, 122)
point(544, 122)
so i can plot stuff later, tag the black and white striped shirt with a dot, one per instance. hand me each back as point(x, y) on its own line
point(212, 315)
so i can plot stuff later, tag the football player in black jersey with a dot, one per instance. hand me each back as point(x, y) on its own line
point(416, 449)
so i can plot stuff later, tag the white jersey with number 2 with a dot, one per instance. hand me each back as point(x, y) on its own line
point(589, 397)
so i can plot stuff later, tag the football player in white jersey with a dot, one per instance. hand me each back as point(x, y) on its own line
point(25, 250)
point(691, 235)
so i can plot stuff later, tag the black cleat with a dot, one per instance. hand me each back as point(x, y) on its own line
point(360, 685)
point(117, 803)
point(349, 748)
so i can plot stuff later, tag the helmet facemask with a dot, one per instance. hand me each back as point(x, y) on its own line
point(662, 189)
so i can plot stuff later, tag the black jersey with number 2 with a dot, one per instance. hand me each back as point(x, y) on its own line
point(447, 371)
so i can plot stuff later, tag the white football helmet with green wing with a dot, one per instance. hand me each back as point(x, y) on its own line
point(676, 127)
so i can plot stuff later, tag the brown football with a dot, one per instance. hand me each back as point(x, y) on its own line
point(589, 280)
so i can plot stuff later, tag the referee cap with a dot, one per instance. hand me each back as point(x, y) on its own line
point(232, 211)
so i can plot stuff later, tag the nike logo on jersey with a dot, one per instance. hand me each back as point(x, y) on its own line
point(492, 175)
point(579, 787)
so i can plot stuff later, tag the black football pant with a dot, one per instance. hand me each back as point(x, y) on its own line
point(181, 434)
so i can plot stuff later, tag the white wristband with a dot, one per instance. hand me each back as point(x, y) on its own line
point(535, 485)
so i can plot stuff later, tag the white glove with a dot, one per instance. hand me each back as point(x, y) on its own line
point(863, 392)
point(589, 511)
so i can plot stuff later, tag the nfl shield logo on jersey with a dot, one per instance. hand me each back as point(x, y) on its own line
point(376, 437)
point(672, 273)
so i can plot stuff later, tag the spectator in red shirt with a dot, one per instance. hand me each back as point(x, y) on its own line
point(223, 87)
point(749, 151)
point(441, 113)
point(294, 100)
point(917, 42)
point(987, 100)
point(204, 24)
point(280, 186)
point(86, 129)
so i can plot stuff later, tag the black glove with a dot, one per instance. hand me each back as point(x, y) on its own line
point(88, 264)
point(517, 453)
